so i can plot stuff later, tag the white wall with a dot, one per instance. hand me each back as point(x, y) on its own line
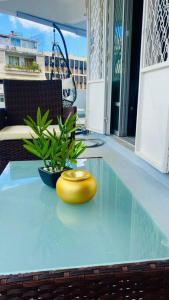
point(41, 62)
point(152, 136)
point(2, 63)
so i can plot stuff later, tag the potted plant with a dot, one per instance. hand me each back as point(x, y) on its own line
point(56, 151)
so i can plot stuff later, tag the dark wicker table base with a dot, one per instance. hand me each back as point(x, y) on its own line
point(141, 281)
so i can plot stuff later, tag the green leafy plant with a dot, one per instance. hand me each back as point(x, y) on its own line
point(34, 67)
point(55, 150)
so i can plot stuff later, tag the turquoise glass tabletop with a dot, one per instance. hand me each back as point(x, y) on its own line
point(39, 232)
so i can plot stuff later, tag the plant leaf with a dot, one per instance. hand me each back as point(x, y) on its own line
point(32, 150)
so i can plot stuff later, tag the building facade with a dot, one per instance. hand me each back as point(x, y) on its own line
point(77, 65)
point(19, 58)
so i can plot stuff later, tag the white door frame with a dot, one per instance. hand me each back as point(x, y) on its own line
point(126, 50)
point(96, 83)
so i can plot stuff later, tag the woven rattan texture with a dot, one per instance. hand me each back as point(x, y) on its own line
point(3, 164)
point(12, 150)
point(2, 118)
point(144, 281)
point(68, 110)
point(22, 97)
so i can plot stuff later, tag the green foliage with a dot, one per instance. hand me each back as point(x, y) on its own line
point(56, 151)
point(34, 67)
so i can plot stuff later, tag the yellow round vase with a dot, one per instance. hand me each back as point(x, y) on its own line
point(76, 186)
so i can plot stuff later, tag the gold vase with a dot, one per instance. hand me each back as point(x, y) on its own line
point(76, 186)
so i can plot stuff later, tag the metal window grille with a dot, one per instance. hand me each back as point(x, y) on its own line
point(156, 45)
point(96, 39)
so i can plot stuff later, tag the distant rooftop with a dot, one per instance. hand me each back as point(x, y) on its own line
point(15, 40)
point(14, 34)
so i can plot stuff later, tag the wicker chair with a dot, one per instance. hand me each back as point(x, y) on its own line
point(22, 98)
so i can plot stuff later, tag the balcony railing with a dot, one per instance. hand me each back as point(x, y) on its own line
point(30, 68)
point(19, 49)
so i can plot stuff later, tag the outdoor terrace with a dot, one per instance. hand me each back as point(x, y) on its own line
point(115, 246)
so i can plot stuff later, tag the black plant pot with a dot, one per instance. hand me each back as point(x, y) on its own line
point(49, 178)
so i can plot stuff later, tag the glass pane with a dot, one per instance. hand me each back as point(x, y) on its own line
point(76, 64)
point(29, 61)
point(112, 228)
point(57, 62)
point(16, 42)
point(71, 63)
point(14, 60)
point(29, 44)
point(46, 61)
point(115, 119)
point(117, 55)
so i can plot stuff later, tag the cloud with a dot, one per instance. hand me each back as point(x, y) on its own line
point(71, 34)
point(13, 21)
point(33, 25)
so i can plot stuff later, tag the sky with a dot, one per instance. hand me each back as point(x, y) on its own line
point(43, 34)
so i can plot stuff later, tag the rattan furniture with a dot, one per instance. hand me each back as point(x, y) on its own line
point(22, 98)
point(108, 248)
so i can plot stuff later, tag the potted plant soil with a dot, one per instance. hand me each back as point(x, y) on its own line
point(57, 151)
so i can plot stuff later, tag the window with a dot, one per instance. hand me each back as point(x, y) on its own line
point(62, 63)
point(29, 44)
point(14, 60)
point(85, 65)
point(51, 61)
point(81, 79)
point(81, 66)
point(46, 61)
point(29, 61)
point(1, 98)
point(71, 63)
point(84, 80)
point(57, 62)
point(76, 64)
point(15, 42)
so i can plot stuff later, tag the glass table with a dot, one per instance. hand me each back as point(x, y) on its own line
point(40, 233)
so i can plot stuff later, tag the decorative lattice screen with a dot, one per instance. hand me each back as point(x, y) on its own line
point(156, 32)
point(96, 39)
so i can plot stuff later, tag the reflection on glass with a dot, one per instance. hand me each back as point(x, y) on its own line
point(117, 48)
point(117, 62)
point(47, 234)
